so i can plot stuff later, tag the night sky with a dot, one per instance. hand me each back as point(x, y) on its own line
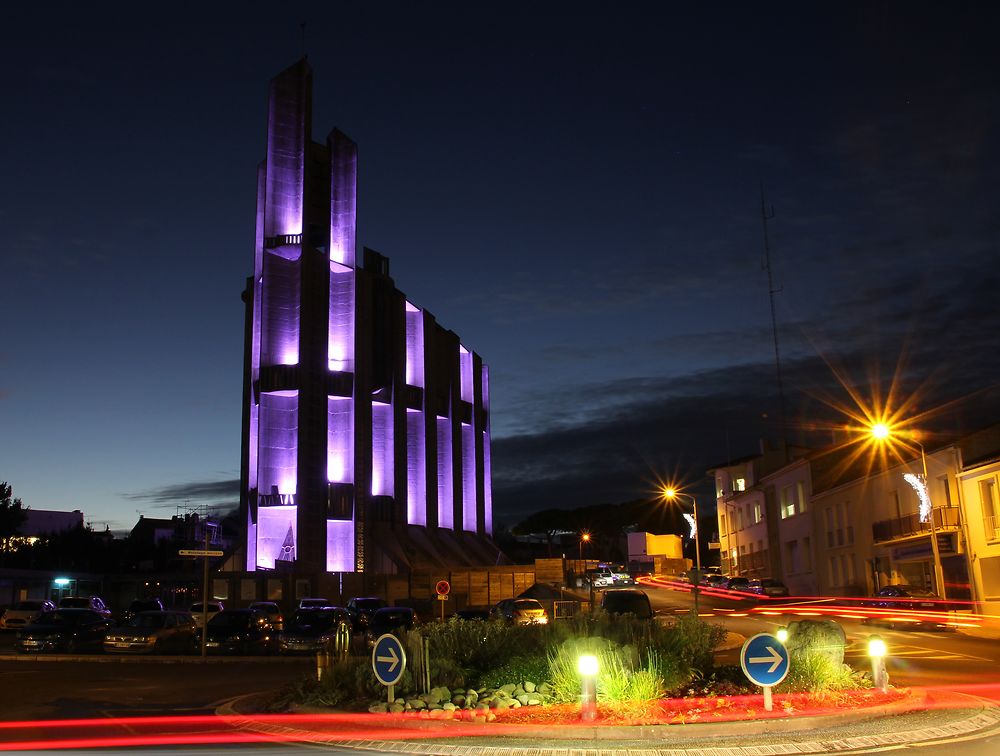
point(573, 188)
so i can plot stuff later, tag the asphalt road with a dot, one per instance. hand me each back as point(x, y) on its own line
point(916, 657)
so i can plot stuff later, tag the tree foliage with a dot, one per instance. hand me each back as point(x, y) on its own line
point(12, 516)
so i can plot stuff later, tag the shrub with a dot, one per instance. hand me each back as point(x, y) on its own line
point(623, 676)
point(815, 672)
point(824, 637)
point(517, 670)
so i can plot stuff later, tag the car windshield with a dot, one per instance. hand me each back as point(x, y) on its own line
point(392, 616)
point(268, 608)
point(230, 619)
point(74, 603)
point(65, 618)
point(144, 606)
point(909, 590)
point(526, 605)
point(148, 620)
point(306, 618)
point(628, 603)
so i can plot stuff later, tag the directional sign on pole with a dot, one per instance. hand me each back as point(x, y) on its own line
point(764, 659)
point(200, 552)
point(388, 659)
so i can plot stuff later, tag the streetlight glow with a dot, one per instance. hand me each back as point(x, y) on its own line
point(880, 431)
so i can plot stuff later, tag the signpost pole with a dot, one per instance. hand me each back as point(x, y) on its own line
point(768, 702)
point(392, 692)
point(204, 594)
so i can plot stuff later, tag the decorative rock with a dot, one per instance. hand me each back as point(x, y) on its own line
point(442, 693)
point(434, 707)
point(518, 691)
point(397, 708)
point(378, 708)
point(458, 699)
point(502, 703)
point(448, 706)
point(522, 699)
point(534, 700)
point(417, 703)
point(508, 688)
point(436, 714)
point(515, 704)
point(544, 688)
point(491, 717)
point(529, 687)
point(483, 706)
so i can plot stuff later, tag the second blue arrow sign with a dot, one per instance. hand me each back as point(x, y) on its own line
point(764, 659)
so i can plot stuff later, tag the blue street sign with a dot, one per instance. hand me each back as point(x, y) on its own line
point(388, 659)
point(764, 659)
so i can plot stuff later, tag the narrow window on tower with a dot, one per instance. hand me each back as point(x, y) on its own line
point(341, 327)
point(468, 478)
point(414, 346)
point(445, 476)
point(416, 469)
point(382, 457)
point(465, 372)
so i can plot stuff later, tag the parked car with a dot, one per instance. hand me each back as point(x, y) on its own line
point(24, 612)
point(64, 630)
point(714, 580)
point(273, 611)
point(395, 620)
point(521, 611)
point(93, 603)
point(768, 587)
point(312, 630)
point(907, 597)
point(241, 631)
point(198, 611)
point(154, 632)
point(627, 601)
point(741, 584)
point(361, 610)
point(141, 605)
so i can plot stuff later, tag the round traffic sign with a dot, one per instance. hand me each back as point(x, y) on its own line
point(443, 588)
point(764, 660)
point(388, 659)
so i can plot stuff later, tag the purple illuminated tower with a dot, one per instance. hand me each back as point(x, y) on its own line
point(366, 441)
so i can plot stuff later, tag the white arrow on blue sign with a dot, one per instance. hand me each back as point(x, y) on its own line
point(764, 659)
point(388, 659)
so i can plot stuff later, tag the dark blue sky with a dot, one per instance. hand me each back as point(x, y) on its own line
point(572, 188)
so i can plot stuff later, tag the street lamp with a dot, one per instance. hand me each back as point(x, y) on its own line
point(883, 433)
point(670, 494)
point(584, 538)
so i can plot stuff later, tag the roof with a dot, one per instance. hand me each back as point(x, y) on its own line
point(38, 521)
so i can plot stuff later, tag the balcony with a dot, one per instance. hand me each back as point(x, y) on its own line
point(285, 240)
point(904, 527)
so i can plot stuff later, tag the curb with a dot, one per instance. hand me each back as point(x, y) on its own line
point(986, 718)
point(154, 659)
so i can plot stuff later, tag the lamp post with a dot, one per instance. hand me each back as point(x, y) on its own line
point(882, 432)
point(584, 538)
point(670, 494)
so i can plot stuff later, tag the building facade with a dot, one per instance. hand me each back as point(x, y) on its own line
point(364, 420)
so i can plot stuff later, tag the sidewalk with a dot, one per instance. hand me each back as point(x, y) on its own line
point(879, 727)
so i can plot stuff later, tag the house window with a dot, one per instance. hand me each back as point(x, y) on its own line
point(807, 559)
point(800, 489)
point(722, 524)
point(792, 557)
point(758, 514)
point(741, 484)
point(988, 498)
point(845, 518)
point(829, 527)
point(787, 502)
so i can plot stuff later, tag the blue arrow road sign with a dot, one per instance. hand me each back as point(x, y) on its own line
point(388, 659)
point(764, 659)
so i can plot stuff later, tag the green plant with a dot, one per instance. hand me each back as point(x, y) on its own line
point(516, 670)
point(815, 672)
point(623, 675)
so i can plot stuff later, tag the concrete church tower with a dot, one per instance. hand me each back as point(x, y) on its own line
point(365, 423)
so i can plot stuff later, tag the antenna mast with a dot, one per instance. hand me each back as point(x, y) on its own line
point(771, 291)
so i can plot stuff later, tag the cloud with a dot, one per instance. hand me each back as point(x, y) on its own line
point(211, 493)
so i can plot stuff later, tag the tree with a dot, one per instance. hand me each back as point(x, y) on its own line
point(13, 513)
point(548, 522)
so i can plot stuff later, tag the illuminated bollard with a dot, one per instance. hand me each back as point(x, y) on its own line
point(587, 667)
point(877, 651)
point(782, 634)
